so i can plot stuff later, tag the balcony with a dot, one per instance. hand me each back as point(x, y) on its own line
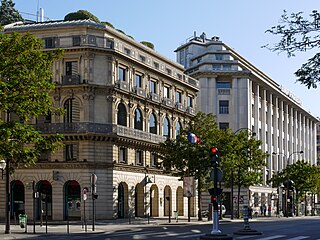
point(179, 106)
point(123, 85)
point(154, 97)
point(85, 128)
point(71, 79)
point(168, 102)
point(140, 91)
point(191, 110)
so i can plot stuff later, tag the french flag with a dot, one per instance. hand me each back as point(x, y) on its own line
point(192, 138)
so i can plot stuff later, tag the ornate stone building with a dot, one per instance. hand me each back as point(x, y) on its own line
point(121, 99)
point(243, 97)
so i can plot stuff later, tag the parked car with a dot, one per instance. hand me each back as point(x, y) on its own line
point(205, 213)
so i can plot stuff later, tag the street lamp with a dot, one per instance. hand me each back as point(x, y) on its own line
point(232, 178)
point(287, 185)
point(4, 165)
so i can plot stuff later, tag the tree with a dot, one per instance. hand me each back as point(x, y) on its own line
point(305, 178)
point(8, 14)
point(81, 15)
point(148, 44)
point(300, 34)
point(243, 162)
point(25, 89)
point(191, 159)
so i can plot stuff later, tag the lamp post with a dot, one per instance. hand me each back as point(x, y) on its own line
point(4, 165)
point(287, 185)
point(232, 177)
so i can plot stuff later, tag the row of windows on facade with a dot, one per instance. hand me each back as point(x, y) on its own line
point(72, 114)
point(153, 122)
point(53, 42)
point(153, 87)
point(71, 154)
point(273, 119)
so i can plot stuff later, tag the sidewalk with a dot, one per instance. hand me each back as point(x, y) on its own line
point(59, 230)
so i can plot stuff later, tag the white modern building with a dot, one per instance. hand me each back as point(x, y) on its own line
point(243, 97)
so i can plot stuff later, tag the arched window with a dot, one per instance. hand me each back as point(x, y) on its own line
point(166, 128)
point(178, 129)
point(153, 124)
point(138, 124)
point(122, 115)
point(72, 111)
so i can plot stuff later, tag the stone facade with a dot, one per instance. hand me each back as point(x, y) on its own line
point(121, 99)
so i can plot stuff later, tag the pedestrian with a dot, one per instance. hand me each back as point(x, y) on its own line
point(250, 212)
point(264, 210)
point(261, 210)
point(269, 210)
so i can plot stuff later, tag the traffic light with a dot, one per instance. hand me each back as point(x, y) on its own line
point(214, 155)
point(214, 201)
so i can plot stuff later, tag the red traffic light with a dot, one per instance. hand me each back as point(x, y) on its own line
point(214, 150)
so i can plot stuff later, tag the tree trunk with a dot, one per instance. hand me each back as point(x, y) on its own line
point(238, 210)
point(199, 201)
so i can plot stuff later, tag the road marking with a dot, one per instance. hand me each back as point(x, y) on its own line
point(298, 238)
point(246, 237)
point(272, 237)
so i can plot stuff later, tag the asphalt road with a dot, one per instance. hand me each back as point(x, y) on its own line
point(271, 228)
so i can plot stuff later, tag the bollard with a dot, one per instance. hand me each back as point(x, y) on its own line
point(247, 230)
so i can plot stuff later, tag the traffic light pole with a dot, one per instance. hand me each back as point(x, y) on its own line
point(215, 217)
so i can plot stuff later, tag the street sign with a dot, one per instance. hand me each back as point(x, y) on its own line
point(85, 190)
point(93, 180)
point(219, 175)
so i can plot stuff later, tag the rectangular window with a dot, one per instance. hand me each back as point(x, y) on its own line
point(216, 67)
point(139, 157)
point(223, 107)
point(92, 40)
point(156, 65)
point(153, 87)
point(127, 51)
point(179, 97)
point(49, 42)
point(138, 80)
point(122, 74)
point(153, 160)
point(169, 71)
point(166, 92)
point(223, 125)
point(122, 155)
point(223, 85)
point(190, 101)
point(219, 57)
point(76, 41)
point(109, 43)
point(71, 68)
point(71, 152)
point(142, 58)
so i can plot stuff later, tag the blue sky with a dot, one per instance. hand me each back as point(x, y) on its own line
point(167, 24)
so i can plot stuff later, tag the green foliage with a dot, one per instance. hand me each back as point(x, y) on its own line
point(80, 15)
point(8, 14)
point(299, 33)
point(119, 30)
point(244, 160)
point(306, 177)
point(108, 24)
point(190, 159)
point(25, 89)
point(148, 44)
